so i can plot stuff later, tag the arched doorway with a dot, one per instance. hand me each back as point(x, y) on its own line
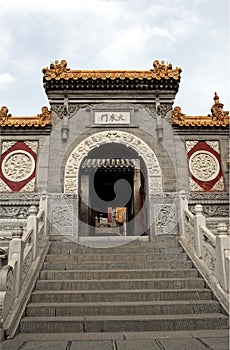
point(112, 191)
point(97, 165)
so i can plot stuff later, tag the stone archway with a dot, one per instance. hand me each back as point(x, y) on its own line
point(75, 158)
point(153, 170)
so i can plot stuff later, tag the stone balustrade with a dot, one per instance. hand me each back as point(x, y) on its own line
point(209, 252)
point(26, 253)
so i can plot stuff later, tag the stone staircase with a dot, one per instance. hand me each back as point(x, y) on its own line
point(139, 286)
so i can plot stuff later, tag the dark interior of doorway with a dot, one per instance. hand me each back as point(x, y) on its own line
point(104, 182)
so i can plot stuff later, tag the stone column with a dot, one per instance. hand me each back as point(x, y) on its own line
point(84, 207)
point(32, 223)
point(222, 245)
point(16, 251)
point(137, 197)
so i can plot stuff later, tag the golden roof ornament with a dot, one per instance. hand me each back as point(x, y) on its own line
point(217, 118)
point(162, 70)
point(217, 110)
point(58, 70)
point(4, 114)
point(41, 120)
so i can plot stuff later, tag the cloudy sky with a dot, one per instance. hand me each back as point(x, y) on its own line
point(114, 34)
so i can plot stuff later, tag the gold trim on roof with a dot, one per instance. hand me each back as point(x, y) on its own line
point(160, 70)
point(217, 118)
point(43, 119)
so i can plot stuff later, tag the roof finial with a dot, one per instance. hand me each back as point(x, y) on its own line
point(217, 109)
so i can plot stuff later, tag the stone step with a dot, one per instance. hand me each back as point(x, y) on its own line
point(115, 274)
point(119, 242)
point(123, 323)
point(161, 264)
point(153, 249)
point(126, 257)
point(175, 283)
point(63, 296)
point(123, 308)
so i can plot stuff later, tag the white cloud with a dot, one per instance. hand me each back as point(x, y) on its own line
point(132, 42)
point(63, 7)
point(112, 34)
point(5, 80)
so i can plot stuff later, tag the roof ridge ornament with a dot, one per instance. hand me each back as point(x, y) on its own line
point(4, 114)
point(217, 118)
point(217, 110)
point(57, 67)
point(58, 70)
point(163, 70)
point(41, 119)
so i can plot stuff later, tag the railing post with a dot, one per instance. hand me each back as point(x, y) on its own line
point(32, 223)
point(222, 244)
point(199, 220)
point(16, 251)
point(182, 205)
point(44, 205)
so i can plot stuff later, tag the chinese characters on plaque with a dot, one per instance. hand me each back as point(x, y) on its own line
point(116, 117)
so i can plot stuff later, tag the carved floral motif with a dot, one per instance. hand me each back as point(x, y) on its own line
point(164, 108)
point(10, 281)
point(13, 212)
point(190, 145)
point(194, 186)
point(27, 261)
point(116, 136)
point(29, 187)
point(208, 256)
point(214, 145)
point(166, 222)
point(219, 186)
point(62, 111)
point(4, 187)
point(18, 166)
point(215, 210)
point(213, 197)
point(7, 145)
point(151, 109)
point(204, 166)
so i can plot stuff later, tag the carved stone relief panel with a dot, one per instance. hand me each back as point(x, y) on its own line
point(204, 166)
point(62, 216)
point(165, 219)
point(18, 166)
point(20, 212)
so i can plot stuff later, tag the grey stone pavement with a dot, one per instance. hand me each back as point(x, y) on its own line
point(186, 340)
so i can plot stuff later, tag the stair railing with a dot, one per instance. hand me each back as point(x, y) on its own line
point(209, 252)
point(27, 250)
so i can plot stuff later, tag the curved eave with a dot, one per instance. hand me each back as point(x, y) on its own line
point(16, 122)
point(201, 121)
point(112, 84)
point(113, 74)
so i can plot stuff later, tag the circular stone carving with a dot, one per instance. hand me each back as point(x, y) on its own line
point(18, 166)
point(204, 166)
